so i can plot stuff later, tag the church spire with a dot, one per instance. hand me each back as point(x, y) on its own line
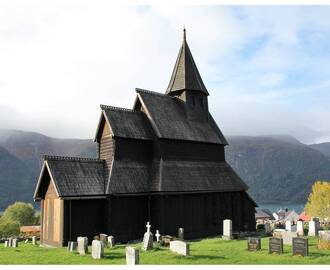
point(185, 74)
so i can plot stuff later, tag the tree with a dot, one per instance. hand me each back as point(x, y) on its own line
point(318, 204)
point(9, 227)
point(20, 212)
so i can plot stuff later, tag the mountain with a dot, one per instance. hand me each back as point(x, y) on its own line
point(277, 169)
point(15, 179)
point(324, 148)
point(21, 159)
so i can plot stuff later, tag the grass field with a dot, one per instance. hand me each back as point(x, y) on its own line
point(206, 251)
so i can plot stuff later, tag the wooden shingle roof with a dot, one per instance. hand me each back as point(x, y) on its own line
point(75, 176)
point(125, 123)
point(185, 73)
point(169, 119)
point(184, 176)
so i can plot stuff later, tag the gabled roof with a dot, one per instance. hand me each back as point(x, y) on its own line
point(185, 73)
point(168, 117)
point(73, 176)
point(124, 123)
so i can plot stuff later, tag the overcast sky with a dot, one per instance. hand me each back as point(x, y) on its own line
point(266, 68)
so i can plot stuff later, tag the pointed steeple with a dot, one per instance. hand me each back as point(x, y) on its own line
point(185, 74)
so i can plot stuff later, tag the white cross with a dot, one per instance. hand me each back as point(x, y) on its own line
point(148, 227)
point(157, 235)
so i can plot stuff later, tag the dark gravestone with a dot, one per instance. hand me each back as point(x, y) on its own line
point(254, 244)
point(300, 246)
point(275, 245)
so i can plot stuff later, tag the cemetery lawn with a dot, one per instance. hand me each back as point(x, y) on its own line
point(206, 251)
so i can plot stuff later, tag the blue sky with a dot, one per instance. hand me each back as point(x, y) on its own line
point(266, 68)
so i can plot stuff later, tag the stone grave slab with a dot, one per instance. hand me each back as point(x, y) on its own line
point(132, 256)
point(104, 238)
point(227, 229)
point(14, 243)
point(300, 246)
point(34, 240)
point(72, 246)
point(275, 245)
point(180, 247)
point(181, 234)
point(300, 228)
point(253, 243)
point(82, 245)
point(111, 241)
point(97, 249)
point(287, 237)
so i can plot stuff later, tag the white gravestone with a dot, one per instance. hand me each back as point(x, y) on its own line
point(300, 228)
point(104, 238)
point(181, 233)
point(157, 235)
point(26, 241)
point(97, 249)
point(312, 228)
point(10, 242)
point(148, 242)
point(288, 225)
point(227, 229)
point(180, 247)
point(111, 241)
point(287, 237)
point(132, 256)
point(268, 228)
point(34, 240)
point(72, 246)
point(6, 243)
point(82, 245)
point(15, 243)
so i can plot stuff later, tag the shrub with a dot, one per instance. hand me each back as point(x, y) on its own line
point(260, 227)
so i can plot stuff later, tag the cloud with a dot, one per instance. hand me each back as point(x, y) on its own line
point(266, 68)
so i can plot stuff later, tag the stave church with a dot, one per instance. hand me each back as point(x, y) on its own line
point(162, 161)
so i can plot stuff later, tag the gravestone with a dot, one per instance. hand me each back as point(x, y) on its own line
point(72, 246)
point(300, 228)
point(324, 239)
point(10, 242)
point(15, 243)
point(268, 229)
point(181, 234)
point(287, 237)
point(26, 241)
point(275, 245)
point(157, 236)
point(288, 225)
point(180, 247)
point(227, 229)
point(166, 239)
point(253, 243)
point(6, 243)
point(82, 245)
point(278, 233)
point(104, 238)
point(34, 240)
point(148, 241)
point(324, 234)
point(312, 228)
point(97, 249)
point(132, 256)
point(300, 246)
point(111, 241)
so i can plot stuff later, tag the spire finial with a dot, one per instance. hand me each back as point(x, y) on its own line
point(184, 33)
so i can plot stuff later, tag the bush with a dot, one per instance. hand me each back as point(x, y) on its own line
point(260, 227)
point(21, 212)
point(9, 227)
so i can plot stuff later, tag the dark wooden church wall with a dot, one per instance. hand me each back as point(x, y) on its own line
point(83, 218)
point(181, 150)
point(140, 150)
point(126, 217)
point(199, 214)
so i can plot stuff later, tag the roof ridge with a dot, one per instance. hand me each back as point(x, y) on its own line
point(153, 93)
point(53, 157)
point(108, 107)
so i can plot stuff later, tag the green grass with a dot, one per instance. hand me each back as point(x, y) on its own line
point(206, 251)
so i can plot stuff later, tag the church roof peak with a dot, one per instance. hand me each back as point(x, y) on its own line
point(185, 74)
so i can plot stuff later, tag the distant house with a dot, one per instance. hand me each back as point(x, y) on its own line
point(304, 217)
point(263, 216)
point(30, 230)
point(291, 216)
